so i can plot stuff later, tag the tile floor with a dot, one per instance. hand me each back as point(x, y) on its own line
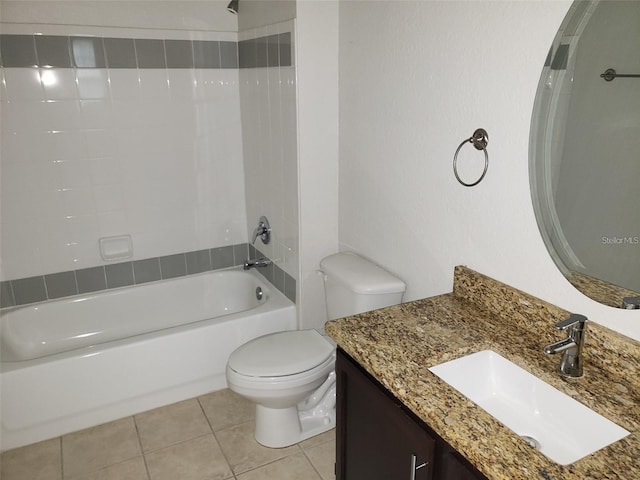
point(204, 438)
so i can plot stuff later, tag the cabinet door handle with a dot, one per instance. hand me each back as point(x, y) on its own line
point(415, 467)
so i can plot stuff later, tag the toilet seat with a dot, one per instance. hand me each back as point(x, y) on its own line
point(282, 354)
point(286, 383)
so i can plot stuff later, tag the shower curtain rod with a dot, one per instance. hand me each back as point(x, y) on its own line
point(609, 74)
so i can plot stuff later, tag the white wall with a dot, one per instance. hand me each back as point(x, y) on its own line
point(258, 13)
point(150, 14)
point(317, 61)
point(414, 82)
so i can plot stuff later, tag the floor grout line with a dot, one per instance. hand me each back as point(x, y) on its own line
point(144, 459)
point(159, 449)
point(215, 437)
point(61, 459)
point(312, 464)
point(234, 475)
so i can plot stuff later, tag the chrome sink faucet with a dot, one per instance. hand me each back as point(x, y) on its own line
point(631, 303)
point(571, 347)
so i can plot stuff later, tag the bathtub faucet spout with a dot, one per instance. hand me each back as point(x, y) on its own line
point(258, 263)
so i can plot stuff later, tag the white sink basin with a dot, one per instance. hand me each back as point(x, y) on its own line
point(562, 429)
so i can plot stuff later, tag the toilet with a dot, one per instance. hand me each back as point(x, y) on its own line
point(290, 375)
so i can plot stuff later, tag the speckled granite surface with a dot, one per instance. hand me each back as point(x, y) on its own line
point(398, 344)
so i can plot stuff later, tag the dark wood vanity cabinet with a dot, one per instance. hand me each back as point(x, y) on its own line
point(452, 466)
point(377, 438)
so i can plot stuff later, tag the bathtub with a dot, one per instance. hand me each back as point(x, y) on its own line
point(81, 361)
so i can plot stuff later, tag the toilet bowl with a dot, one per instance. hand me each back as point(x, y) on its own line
point(290, 375)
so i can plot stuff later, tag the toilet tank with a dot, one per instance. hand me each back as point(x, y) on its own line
point(353, 285)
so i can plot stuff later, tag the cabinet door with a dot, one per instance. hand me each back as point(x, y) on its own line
point(376, 439)
point(456, 468)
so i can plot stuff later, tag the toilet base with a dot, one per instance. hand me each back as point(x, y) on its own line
point(282, 427)
point(279, 428)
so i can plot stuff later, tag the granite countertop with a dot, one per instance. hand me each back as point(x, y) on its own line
point(397, 345)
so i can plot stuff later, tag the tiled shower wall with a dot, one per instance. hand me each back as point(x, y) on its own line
point(116, 136)
point(106, 136)
point(268, 106)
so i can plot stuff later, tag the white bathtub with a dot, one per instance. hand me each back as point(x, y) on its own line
point(77, 362)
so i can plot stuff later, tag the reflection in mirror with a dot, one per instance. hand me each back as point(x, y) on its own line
point(584, 157)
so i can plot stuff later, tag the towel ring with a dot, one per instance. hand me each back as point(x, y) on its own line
point(479, 139)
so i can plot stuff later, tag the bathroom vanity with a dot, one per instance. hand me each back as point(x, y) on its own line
point(378, 437)
point(394, 415)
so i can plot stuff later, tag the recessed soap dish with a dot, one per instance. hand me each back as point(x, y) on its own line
point(119, 247)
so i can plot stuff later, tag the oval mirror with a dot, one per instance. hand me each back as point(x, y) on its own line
point(584, 153)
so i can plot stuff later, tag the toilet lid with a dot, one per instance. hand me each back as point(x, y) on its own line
point(282, 353)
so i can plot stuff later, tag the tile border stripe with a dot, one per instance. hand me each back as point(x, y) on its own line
point(52, 286)
point(57, 51)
